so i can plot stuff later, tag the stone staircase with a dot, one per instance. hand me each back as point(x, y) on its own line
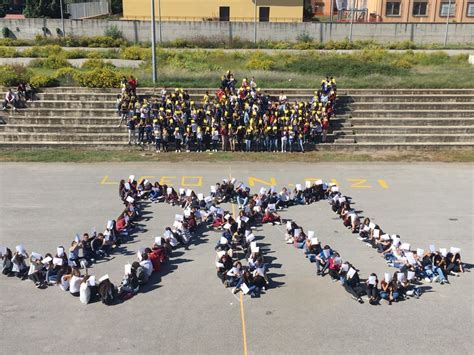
point(366, 119)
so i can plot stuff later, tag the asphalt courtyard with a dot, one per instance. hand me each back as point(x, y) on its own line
point(186, 310)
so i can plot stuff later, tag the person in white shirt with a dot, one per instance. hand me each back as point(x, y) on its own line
point(10, 99)
point(75, 282)
point(146, 264)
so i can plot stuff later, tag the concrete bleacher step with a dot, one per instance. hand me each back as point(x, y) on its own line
point(413, 129)
point(409, 106)
point(75, 104)
point(66, 121)
point(412, 146)
point(405, 98)
point(408, 138)
point(53, 128)
point(64, 112)
point(413, 121)
point(61, 136)
point(415, 113)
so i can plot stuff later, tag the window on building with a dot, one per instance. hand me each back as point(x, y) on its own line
point(318, 8)
point(470, 9)
point(224, 13)
point(420, 9)
point(264, 14)
point(445, 9)
point(392, 8)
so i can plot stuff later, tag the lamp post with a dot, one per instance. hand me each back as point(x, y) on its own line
point(331, 11)
point(352, 21)
point(255, 23)
point(159, 18)
point(153, 41)
point(62, 17)
point(447, 24)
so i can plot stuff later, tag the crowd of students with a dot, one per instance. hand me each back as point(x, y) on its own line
point(236, 118)
point(237, 242)
point(68, 267)
point(413, 265)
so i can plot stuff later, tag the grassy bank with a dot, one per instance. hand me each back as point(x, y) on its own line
point(374, 68)
point(303, 41)
point(96, 156)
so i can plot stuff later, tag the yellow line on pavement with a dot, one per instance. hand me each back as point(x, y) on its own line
point(242, 313)
point(242, 317)
point(383, 183)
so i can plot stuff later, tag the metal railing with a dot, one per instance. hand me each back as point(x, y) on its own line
point(88, 9)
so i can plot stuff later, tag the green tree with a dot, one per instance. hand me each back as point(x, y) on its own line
point(43, 8)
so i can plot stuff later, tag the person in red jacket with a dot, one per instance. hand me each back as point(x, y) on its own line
point(154, 257)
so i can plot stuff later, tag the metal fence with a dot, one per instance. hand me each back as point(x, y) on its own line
point(88, 9)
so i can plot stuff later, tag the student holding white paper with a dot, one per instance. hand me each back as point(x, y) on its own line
point(372, 289)
point(6, 262)
point(322, 260)
point(19, 267)
point(75, 282)
point(36, 271)
point(312, 248)
point(51, 269)
point(334, 268)
point(233, 275)
point(454, 264)
point(223, 265)
point(352, 285)
point(271, 217)
point(389, 291)
point(74, 252)
point(247, 280)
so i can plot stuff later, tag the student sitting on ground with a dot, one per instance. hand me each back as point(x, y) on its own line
point(6, 262)
point(372, 289)
point(454, 264)
point(312, 248)
point(130, 282)
point(335, 263)
point(19, 268)
point(233, 275)
point(271, 216)
point(75, 282)
point(352, 284)
point(145, 262)
point(64, 277)
point(389, 289)
point(223, 265)
point(322, 260)
point(36, 271)
point(247, 285)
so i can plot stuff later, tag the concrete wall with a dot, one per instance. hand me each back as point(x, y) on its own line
point(323, 32)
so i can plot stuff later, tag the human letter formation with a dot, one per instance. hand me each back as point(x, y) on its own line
point(67, 268)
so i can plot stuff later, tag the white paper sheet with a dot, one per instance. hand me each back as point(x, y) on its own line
point(351, 273)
